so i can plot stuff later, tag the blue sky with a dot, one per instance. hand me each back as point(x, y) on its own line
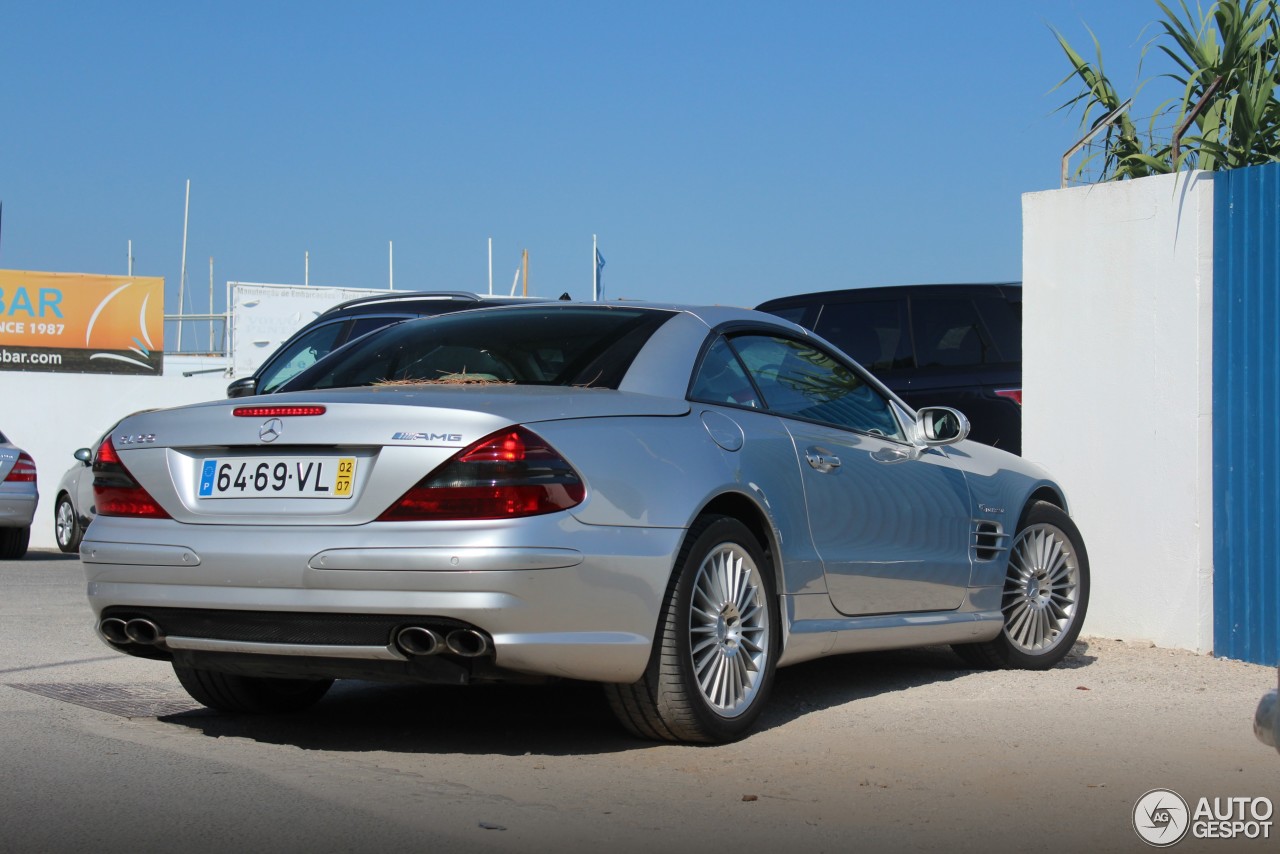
point(723, 152)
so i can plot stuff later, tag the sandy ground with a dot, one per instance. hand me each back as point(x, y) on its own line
point(895, 751)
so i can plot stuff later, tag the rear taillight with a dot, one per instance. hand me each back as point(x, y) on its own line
point(115, 492)
point(1014, 394)
point(506, 475)
point(23, 471)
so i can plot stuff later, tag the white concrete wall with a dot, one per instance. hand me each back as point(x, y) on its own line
point(50, 415)
point(1117, 361)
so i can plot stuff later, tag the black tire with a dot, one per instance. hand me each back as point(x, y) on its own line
point(1046, 594)
point(13, 542)
point(253, 695)
point(66, 525)
point(740, 638)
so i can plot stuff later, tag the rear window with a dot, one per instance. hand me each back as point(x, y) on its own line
point(556, 345)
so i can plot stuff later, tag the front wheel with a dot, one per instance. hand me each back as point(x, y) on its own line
point(66, 527)
point(254, 695)
point(717, 647)
point(1046, 593)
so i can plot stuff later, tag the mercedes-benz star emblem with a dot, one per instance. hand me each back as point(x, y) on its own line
point(270, 429)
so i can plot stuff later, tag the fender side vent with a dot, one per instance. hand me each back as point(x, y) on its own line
point(989, 540)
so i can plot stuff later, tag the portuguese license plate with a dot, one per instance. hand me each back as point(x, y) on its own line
point(277, 477)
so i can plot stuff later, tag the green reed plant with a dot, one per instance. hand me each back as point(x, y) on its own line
point(1226, 56)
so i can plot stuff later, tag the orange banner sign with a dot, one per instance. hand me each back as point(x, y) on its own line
point(81, 323)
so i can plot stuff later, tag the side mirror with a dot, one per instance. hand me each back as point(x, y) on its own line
point(243, 387)
point(84, 455)
point(941, 425)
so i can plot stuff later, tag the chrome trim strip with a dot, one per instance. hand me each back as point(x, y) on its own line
point(434, 559)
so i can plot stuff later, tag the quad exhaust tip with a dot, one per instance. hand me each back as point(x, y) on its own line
point(413, 641)
point(113, 629)
point(419, 641)
point(416, 641)
point(468, 643)
point(138, 630)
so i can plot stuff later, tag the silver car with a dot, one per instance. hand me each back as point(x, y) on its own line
point(18, 498)
point(73, 503)
point(671, 501)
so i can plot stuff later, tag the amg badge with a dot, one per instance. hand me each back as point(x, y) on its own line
point(427, 437)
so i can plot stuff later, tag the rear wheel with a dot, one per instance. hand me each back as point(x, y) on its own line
point(717, 646)
point(13, 542)
point(66, 527)
point(254, 695)
point(1046, 593)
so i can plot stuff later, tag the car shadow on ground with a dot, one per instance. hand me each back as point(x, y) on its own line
point(559, 719)
point(837, 681)
point(50, 554)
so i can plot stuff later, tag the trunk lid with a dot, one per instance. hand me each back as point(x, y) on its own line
point(343, 466)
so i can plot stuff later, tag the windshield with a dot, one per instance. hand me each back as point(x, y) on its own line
point(579, 345)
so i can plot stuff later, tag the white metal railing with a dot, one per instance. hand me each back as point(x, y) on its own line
point(198, 330)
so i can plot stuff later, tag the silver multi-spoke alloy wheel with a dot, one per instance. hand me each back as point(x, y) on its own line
point(728, 629)
point(717, 644)
point(1041, 589)
point(66, 527)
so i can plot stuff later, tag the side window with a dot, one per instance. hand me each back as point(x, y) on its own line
point(948, 333)
point(365, 325)
point(798, 379)
point(301, 354)
point(720, 379)
point(873, 333)
point(1004, 323)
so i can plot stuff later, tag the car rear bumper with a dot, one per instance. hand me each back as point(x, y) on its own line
point(17, 511)
point(584, 609)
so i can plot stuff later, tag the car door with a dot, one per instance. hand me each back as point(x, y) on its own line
point(890, 521)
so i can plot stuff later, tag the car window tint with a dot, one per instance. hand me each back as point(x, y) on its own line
point(300, 355)
point(1003, 320)
point(873, 333)
point(804, 381)
point(569, 345)
point(948, 333)
point(721, 379)
point(365, 325)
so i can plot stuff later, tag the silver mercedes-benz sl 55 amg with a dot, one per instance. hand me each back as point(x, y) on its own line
point(671, 501)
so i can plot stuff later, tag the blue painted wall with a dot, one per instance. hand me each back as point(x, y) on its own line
point(1246, 414)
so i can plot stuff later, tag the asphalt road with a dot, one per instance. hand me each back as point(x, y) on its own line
point(889, 751)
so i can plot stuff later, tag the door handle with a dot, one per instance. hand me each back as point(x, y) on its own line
point(822, 462)
point(891, 455)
